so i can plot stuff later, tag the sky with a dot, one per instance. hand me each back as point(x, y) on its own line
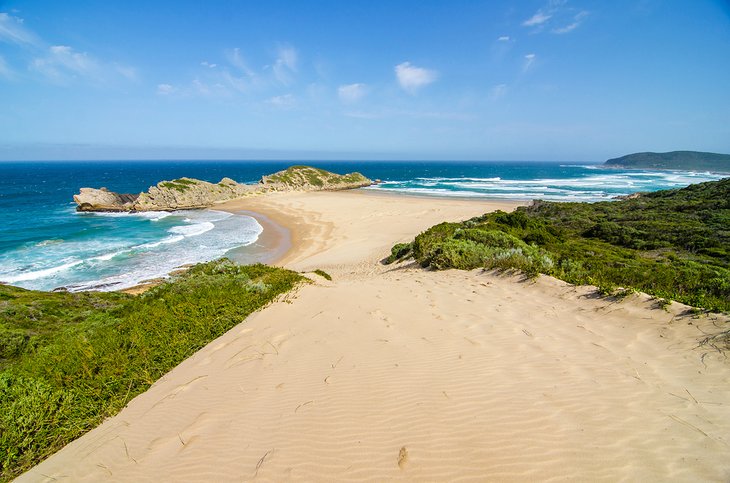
point(570, 80)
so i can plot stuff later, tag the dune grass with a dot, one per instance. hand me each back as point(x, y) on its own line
point(672, 244)
point(75, 359)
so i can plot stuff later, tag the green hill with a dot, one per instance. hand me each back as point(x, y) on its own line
point(688, 160)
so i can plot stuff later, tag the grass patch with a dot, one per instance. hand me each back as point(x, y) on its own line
point(180, 185)
point(77, 359)
point(323, 274)
point(672, 244)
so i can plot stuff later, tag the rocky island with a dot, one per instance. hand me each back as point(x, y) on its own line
point(189, 193)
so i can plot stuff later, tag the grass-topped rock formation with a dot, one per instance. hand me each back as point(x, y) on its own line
point(189, 193)
point(307, 178)
point(673, 244)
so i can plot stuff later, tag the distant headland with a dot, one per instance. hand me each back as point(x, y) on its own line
point(189, 193)
point(688, 160)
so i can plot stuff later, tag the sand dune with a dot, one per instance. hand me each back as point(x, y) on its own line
point(400, 373)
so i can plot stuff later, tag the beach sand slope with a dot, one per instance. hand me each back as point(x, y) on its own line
point(397, 373)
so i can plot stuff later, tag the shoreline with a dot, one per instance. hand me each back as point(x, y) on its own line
point(312, 234)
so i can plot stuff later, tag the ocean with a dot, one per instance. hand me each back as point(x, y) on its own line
point(45, 244)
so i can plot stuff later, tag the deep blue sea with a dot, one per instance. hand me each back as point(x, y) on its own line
point(46, 244)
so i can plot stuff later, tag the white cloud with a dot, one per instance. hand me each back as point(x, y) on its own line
point(503, 38)
point(205, 63)
point(498, 91)
point(165, 89)
point(538, 19)
point(285, 65)
point(351, 92)
point(412, 78)
point(529, 60)
point(13, 31)
point(577, 20)
point(283, 101)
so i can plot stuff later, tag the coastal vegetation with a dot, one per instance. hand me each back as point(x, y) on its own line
point(687, 160)
point(323, 274)
point(672, 244)
point(303, 177)
point(70, 360)
point(181, 184)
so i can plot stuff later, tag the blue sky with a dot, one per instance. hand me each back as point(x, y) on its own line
point(576, 80)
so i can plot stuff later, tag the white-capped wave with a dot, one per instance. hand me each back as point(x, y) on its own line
point(36, 274)
point(192, 230)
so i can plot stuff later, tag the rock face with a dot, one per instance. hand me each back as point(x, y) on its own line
point(188, 193)
point(92, 199)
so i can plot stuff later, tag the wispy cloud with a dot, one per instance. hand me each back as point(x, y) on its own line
point(166, 89)
point(5, 71)
point(529, 61)
point(284, 101)
point(498, 92)
point(351, 92)
point(577, 20)
point(234, 75)
point(396, 113)
point(235, 58)
point(13, 31)
point(539, 18)
point(285, 65)
point(556, 12)
point(61, 63)
point(412, 78)
point(58, 63)
point(503, 38)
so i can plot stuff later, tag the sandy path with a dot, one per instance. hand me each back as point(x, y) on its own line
point(400, 373)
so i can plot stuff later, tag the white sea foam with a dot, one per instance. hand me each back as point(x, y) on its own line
point(36, 274)
point(192, 230)
point(601, 184)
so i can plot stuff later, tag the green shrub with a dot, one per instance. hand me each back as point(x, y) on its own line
point(399, 252)
point(323, 274)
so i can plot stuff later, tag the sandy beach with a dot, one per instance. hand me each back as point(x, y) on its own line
point(398, 373)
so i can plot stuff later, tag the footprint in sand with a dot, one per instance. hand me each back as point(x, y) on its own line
point(402, 457)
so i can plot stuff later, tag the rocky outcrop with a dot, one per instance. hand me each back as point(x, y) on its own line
point(189, 193)
point(92, 199)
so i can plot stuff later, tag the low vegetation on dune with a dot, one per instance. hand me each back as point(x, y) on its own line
point(70, 360)
point(672, 244)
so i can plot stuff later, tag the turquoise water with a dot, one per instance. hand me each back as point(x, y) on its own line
point(45, 244)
